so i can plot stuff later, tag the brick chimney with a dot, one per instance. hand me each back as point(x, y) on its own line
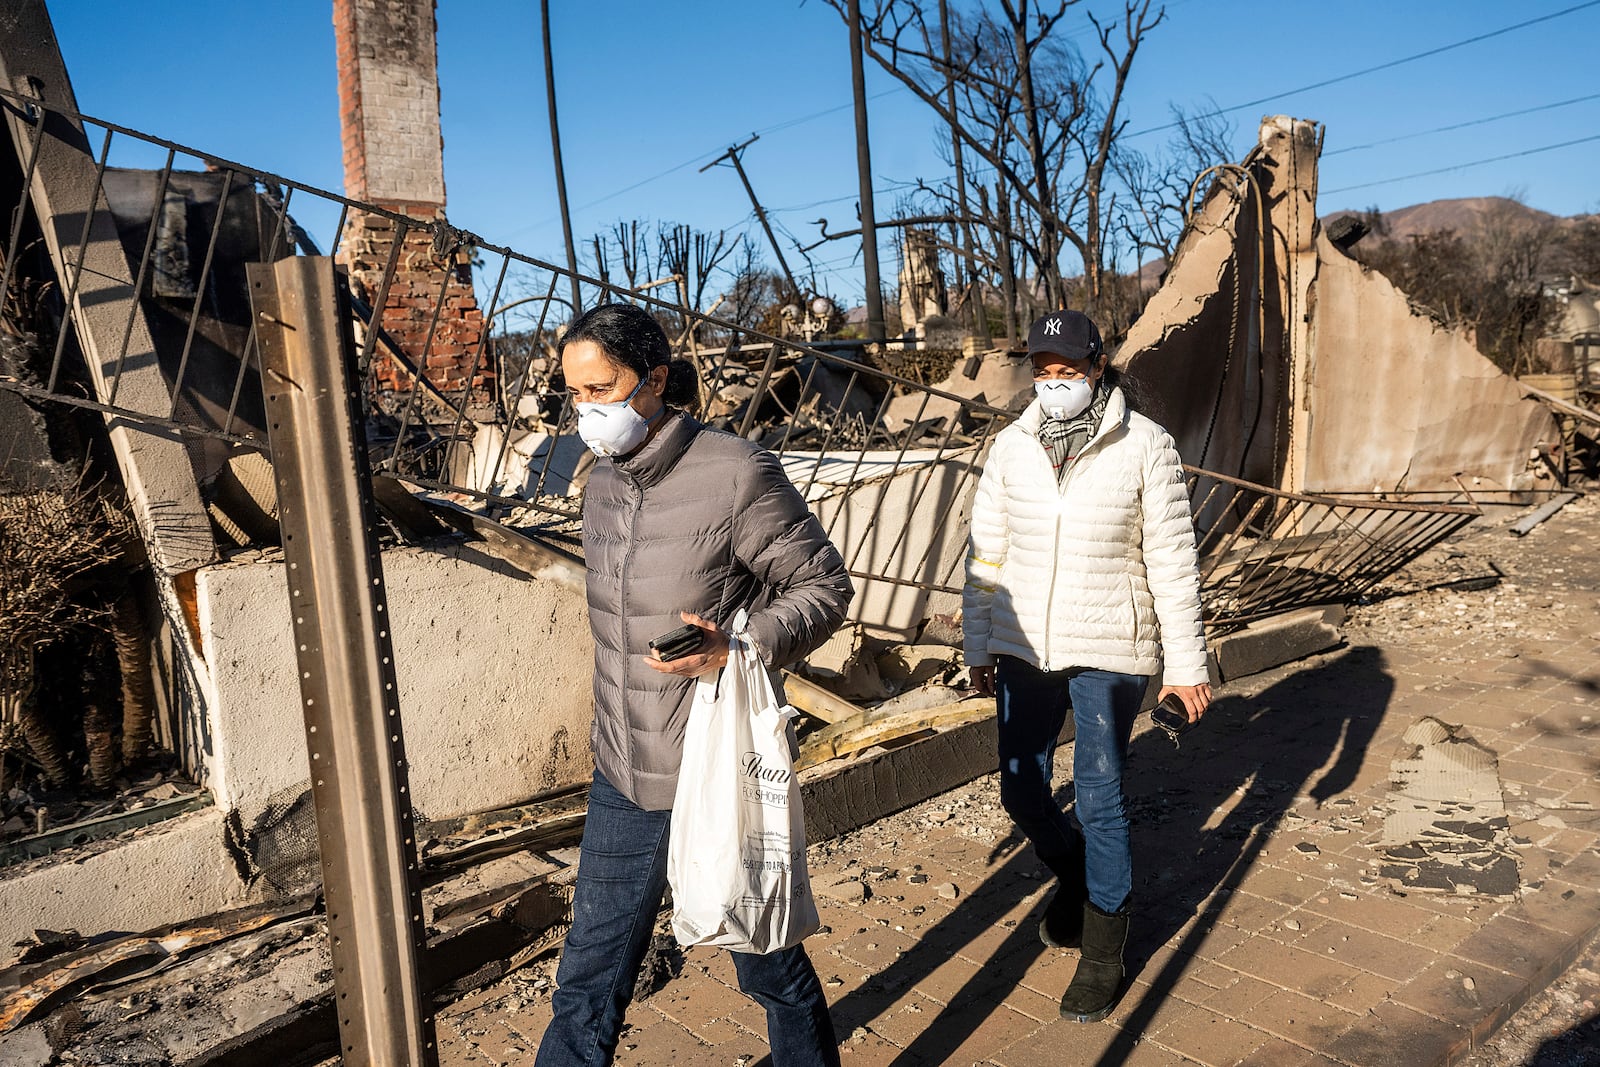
point(394, 159)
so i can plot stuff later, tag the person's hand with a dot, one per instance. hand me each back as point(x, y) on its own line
point(1196, 698)
point(710, 656)
point(983, 680)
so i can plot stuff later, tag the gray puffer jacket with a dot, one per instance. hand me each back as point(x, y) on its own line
point(703, 521)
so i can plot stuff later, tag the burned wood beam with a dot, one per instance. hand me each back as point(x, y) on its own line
point(41, 987)
point(816, 701)
point(483, 952)
point(866, 729)
point(536, 558)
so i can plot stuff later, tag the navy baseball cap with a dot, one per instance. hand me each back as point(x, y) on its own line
point(1065, 333)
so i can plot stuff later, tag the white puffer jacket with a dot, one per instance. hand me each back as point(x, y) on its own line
point(1098, 571)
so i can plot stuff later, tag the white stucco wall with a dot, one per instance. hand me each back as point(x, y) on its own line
point(923, 507)
point(494, 672)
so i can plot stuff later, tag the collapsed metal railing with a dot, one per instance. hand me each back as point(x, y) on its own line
point(1264, 551)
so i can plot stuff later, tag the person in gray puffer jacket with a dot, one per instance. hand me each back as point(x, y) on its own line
point(681, 524)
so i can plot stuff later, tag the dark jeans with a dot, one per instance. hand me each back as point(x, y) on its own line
point(622, 876)
point(1032, 709)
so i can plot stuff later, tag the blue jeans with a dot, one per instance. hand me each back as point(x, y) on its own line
point(622, 876)
point(1032, 707)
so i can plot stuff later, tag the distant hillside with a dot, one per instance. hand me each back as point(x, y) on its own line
point(1468, 216)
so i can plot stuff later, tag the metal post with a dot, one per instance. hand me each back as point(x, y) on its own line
point(359, 782)
point(869, 220)
point(555, 148)
point(732, 154)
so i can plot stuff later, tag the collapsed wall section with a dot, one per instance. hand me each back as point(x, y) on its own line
point(1271, 356)
point(1402, 403)
point(1193, 358)
point(494, 675)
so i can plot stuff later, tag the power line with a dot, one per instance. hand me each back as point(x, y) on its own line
point(1464, 125)
point(1380, 67)
point(1463, 166)
point(704, 156)
point(774, 128)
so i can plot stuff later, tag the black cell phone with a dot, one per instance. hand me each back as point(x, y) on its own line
point(1172, 717)
point(679, 643)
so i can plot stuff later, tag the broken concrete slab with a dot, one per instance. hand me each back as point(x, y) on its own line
point(1446, 828)
point(844, 664)
point(161, 874)
point(1281, 639)
point(910, 666)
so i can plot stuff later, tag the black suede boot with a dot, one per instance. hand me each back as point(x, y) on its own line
point(1062, 925)
point(1098, 981)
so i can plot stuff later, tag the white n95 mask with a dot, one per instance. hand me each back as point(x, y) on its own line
point(1063, 400)
point(613, 429)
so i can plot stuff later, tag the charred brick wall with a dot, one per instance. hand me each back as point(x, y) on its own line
point(394, 158)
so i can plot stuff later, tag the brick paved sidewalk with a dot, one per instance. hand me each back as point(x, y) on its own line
point(1264, 933)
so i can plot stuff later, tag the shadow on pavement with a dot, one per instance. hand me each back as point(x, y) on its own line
point(1309, 733)
point(1578, 1047)
point(1201, 816)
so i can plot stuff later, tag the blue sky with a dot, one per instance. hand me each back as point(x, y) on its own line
point(650, 91)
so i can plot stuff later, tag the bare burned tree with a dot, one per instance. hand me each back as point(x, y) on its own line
point(1042, 123)
point(51, 542)
point(756, 292)
point(1159, 186)
point(674, 254)
point(691, 257)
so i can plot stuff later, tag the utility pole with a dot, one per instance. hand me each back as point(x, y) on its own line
point(869, 222)
point(555, 147)
point(732, 155)
point(980, 316)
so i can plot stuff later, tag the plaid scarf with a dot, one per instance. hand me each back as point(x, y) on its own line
point(1063, 439)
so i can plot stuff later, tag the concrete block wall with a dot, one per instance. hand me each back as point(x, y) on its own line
point(394, 158)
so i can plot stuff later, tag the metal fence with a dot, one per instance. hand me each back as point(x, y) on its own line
point(845, 426)
point(1264, 551)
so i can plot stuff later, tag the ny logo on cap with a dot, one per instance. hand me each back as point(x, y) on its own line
point(1052, 327)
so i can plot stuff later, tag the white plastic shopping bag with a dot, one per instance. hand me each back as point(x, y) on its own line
point(737, 856)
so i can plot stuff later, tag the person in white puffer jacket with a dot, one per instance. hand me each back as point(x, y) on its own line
point(1081, 584)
